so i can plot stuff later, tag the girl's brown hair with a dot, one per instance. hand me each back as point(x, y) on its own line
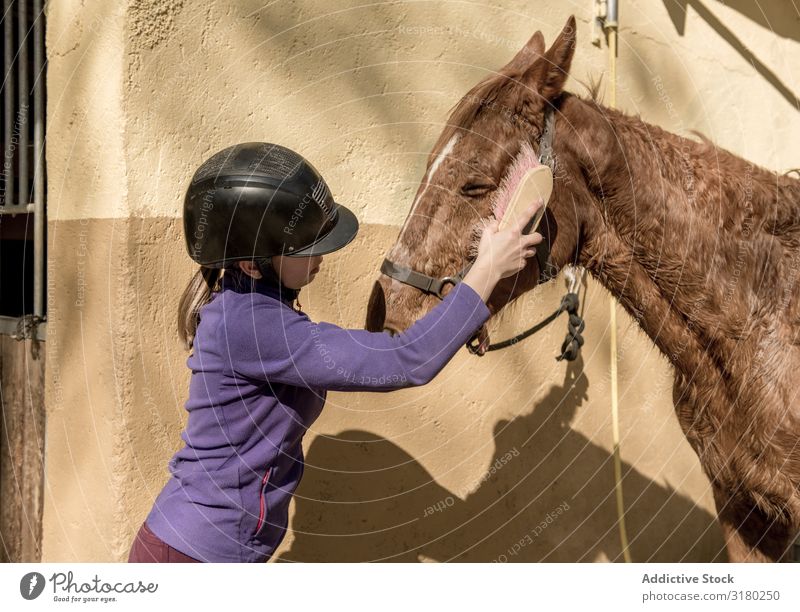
point(197, 293)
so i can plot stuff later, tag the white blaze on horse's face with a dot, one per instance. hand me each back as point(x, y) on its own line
point(429, 176)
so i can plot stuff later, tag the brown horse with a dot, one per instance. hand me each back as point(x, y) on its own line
point(700, 246)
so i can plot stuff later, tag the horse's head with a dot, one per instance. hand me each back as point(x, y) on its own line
point(483, 135)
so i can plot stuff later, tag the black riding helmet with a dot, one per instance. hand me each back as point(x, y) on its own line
point(254, 200)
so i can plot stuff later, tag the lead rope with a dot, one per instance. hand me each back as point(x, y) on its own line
point(570, 303)
point(575, 325)
point(611, 25)
point(572, 343)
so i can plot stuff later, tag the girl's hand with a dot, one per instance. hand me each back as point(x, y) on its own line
point(502, 253)
point(507, 251)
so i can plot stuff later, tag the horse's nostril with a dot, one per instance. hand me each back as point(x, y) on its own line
point(390, 331)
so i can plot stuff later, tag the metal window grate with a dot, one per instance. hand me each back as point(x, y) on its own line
point(22, 175)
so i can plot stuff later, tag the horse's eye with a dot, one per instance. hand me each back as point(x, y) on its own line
point(476, 189)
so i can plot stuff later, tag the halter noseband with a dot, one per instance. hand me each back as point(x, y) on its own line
point(547, 271)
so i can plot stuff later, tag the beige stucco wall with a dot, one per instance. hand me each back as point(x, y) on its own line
point(140, 92)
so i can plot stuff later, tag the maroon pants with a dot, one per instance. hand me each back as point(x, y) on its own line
point(147, 547)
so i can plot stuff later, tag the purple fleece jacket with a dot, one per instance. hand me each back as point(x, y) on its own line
point(260, 374)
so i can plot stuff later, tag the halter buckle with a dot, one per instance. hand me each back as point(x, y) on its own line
point(473, 344)
point(445, 280)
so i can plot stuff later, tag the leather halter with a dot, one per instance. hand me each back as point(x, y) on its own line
point(434, 285)
point(547, 270)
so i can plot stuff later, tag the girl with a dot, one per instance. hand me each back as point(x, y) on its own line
point(258, 218)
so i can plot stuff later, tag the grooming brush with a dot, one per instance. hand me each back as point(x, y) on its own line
point(526, 181)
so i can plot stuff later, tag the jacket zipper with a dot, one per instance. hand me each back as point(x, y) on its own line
point(262, 501)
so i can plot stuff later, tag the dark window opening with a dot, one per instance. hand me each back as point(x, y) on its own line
point(22, 173)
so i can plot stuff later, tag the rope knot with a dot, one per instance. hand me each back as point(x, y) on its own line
point(574, 341)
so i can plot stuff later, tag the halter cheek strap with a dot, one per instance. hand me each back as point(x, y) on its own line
point(423, 282)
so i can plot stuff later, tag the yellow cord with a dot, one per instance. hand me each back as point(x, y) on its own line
point(623, 536)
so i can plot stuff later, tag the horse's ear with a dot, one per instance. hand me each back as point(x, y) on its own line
point(550, 73)
point(559, 60)
point(525, 57)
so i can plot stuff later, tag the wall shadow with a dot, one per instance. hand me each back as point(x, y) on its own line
point(771, 17)
point(778, 17)
point(548, 495)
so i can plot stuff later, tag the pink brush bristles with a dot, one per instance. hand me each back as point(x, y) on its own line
point(524, 161)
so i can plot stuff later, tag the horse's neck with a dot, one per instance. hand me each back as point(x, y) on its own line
point(683, 235)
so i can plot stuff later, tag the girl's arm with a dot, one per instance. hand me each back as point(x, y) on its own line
point(273, 343)
point(269, 341)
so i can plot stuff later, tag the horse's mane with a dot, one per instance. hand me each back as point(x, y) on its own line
point(464, 112)
point(467, 109)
